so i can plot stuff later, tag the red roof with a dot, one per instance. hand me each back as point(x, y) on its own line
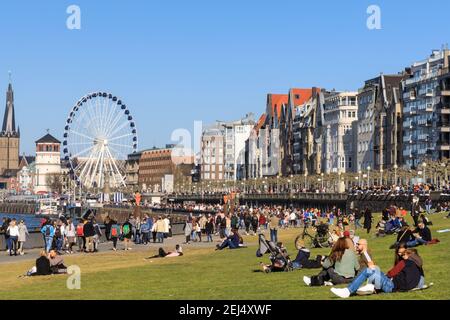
point(300, 96)
point(260, 122)
point(277, 101)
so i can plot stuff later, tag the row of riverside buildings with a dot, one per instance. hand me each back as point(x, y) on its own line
point(392, 120)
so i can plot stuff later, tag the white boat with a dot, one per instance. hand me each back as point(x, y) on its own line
point(47, 206)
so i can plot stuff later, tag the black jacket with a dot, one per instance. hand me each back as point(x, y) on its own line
point(43, 266)
point(425, 233)
point(408, 278)
point(89, 230)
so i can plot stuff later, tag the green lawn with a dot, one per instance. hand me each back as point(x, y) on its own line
point(208, 274)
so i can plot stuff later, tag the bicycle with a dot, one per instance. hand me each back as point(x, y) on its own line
point(312, 241)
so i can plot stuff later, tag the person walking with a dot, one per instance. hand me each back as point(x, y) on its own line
point(23, 233)
point(70, 236)
point(273, 226)
point(127, 233)
point(188, 230)
point(48, 232)
point(81, 240)
point(4, 227)
point(209, 228)
point(367, 219)
point(114, 233)
point(160, 228)
point(13, 232)
point(89, 233)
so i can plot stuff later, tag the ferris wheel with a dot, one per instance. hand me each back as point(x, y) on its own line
point(99, 135)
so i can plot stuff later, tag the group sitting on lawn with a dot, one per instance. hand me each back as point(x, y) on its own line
point(47, 264)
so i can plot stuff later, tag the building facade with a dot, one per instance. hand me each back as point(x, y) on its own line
point(212, 162)
point(426, 125)
point(48, 163)
point(339, 114)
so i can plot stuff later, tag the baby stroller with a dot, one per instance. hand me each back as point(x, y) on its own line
point(278, 256)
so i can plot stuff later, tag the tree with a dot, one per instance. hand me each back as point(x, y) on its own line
point(54, 182)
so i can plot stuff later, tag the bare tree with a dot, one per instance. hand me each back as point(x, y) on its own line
point(54, 181)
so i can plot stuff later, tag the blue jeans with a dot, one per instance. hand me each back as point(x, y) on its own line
point(12, 244)
point(357, 224)
point(273, 235)
point(209, 237)
point(59, 244)
point(415, 243)
point(160, 236)
point(228, 243)
point(378, 278)
point(48, 243)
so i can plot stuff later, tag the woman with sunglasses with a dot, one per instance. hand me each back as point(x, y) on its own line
point(406, 275)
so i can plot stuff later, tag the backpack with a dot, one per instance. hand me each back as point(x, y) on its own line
point(115, 230)
point(47, 231)
point(57, 232)
point(80, 230)
point(126, 229)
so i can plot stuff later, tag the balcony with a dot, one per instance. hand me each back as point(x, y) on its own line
point(443, 146)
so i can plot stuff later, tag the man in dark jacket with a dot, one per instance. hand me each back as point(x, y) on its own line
point(89, 233)
point(367, 219)
point(421, 235)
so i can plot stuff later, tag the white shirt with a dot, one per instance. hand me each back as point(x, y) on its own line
point(13, 231)
point(166, 225)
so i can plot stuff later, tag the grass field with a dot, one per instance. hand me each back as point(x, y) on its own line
point(203, 273)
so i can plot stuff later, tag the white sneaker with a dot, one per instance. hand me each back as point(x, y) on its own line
point(365, 290)
point(341, 292)
point(307, 280)
point(328, 283)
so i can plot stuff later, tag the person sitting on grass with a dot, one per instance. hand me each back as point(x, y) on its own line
point(56, 263)
point(279, 261)
point(232, 241)
point(42, 267)
point(339, 267)
point(162, 254)
point(406, 275)
point(422, 235)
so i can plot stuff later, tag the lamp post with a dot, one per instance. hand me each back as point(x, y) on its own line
point(381, 177)
point(395, 174)
point(359, 178)
point(368, 176)
point(322, 180)
point(424, 165)
point(306, 175)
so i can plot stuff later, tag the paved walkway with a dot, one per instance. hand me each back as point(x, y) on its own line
point(106, 247)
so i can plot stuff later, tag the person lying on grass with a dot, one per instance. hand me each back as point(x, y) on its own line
point(406, 275)
point(162, 254)
point(302, 260)
point(233, 241)
point(339, 267)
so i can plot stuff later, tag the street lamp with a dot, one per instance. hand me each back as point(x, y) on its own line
point(424, 165)
point(359, 178)
point(395, 174)
point(368, 176)
point(306, 175)
point(381, 177)
point(322, 180)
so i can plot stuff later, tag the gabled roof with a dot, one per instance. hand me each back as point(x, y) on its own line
point(48, 138)
point(260, 122)
point(299, 96)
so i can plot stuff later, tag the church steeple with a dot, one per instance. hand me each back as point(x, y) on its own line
point(9, 121)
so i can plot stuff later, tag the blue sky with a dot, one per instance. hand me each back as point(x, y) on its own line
point(174, 62)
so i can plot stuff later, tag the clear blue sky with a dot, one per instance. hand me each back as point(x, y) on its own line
point(174, 62)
